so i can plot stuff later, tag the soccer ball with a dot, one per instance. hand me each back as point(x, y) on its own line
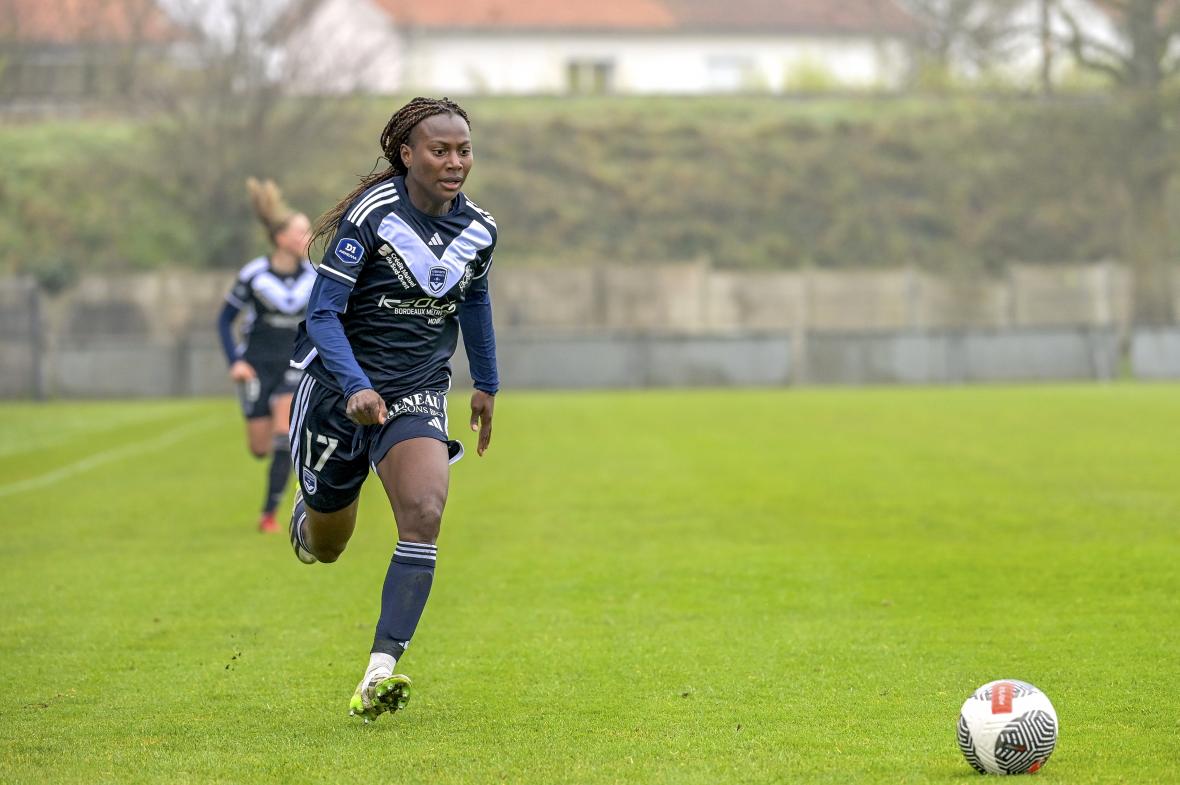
point(1007, 727)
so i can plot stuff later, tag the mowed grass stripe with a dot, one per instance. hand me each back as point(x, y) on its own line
point(41, 437)
point(649, 587)
point(138, 448)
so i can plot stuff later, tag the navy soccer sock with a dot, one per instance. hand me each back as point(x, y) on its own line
point(280, 470)
point(407, 585)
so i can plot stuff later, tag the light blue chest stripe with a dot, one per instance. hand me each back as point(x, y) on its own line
point(421, 260)
point(274, 292)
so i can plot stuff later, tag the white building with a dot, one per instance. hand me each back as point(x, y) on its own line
point(464, 47)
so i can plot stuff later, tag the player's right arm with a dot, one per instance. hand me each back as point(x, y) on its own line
point(338, 271)
point(235, 301)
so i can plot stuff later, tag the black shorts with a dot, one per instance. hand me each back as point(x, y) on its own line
point(257, 394)
point(332, 455)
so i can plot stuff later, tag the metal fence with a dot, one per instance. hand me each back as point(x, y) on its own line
point(684, 325)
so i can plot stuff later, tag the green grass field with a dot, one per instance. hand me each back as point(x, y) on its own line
point(704, 587)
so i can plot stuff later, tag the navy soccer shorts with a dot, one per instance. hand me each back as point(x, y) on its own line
point(332, 455)
point(257, 394)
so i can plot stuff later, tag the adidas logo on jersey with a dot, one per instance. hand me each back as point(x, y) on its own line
point(436, 423)
point(436, 240)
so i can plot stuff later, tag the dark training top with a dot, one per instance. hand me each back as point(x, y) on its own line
point(394, 286)
point(274, 304)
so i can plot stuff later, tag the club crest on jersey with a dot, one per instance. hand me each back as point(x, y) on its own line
point(438, 278)
point(348, 251)
point(309, 481)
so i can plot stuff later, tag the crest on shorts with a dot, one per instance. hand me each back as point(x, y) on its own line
point(309, 482)
point(438, 278)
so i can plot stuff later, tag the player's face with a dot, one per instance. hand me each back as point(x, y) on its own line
point(438, 156)
point(295, 237)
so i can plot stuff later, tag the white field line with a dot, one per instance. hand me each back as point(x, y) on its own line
point(49, 441)
point(107, 456)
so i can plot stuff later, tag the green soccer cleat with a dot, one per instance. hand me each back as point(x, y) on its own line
point(379, 692)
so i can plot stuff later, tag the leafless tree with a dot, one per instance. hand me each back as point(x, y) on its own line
point(964, 32)
point(1045, 11)
point(1142, 63)
point(242, 107)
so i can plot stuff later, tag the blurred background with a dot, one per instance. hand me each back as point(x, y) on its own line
point(754, 192)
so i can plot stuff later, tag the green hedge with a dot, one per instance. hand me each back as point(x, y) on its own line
point(952, 184)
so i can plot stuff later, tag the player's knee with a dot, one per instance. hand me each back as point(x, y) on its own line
point(327, 554)
point(258, 440)
point(421, 518)
point(325, 549)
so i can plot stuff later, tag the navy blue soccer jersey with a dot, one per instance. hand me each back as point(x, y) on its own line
point(407, 273)
point(274, 304)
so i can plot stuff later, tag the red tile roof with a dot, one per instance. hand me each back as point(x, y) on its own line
point(771, 16)
point(90, 21)
point(802, 16)
point(532, 14)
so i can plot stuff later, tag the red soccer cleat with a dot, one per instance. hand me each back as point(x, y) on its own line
point(267, 523)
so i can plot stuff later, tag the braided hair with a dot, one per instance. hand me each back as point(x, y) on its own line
point(397, 132)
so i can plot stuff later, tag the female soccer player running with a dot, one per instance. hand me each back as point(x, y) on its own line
point(272, 291)
point(406, 267)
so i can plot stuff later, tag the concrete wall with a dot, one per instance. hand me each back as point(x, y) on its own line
point(694, 298)
point(153, 334)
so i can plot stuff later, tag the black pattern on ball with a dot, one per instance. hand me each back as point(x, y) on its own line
point(1029, 739)
point(968, 747)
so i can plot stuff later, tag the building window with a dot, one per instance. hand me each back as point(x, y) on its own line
point(590, 77)
point(731, 74)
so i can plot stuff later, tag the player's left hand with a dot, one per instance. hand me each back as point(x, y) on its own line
point(482, 405)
